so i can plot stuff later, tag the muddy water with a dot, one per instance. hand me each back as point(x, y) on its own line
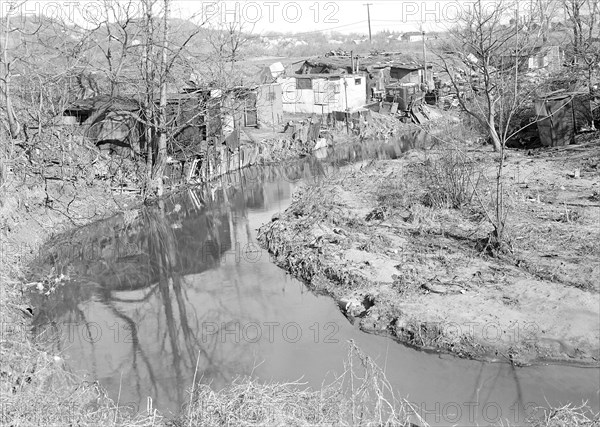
point(157, 295)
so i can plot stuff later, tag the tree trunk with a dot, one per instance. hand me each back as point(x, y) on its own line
point(493, 133)
point(14, 128)
point(13, 124)
point(160, 161)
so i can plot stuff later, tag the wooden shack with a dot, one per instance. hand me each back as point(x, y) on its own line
point(323, 93)
point(112, 122)
point(412, 73)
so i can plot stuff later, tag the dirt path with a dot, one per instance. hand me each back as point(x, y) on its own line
point(404, 266)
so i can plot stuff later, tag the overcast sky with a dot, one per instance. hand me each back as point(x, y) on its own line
point(303, 16)
point(344, 16)
point(298, 16)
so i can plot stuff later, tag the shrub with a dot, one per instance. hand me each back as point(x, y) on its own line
point(450, 179)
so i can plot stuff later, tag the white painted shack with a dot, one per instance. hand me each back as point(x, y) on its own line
point(323, 93)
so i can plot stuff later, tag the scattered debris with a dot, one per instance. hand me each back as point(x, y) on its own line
point(376, 214)
point(356, 305)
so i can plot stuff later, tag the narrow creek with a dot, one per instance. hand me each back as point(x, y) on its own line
point(154, 293)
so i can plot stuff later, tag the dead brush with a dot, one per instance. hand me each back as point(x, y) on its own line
point(361, 395)
point(393, 196)
point(450, 179)
point(401, 192)
point(567, 415)
point(37, 390)
point(570, 215)
point(375, 243)
point(317, 203)
point(406, 281)
point(444, 131)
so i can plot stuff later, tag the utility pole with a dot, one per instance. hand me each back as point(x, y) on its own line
point(369, 19)
point(424, 59)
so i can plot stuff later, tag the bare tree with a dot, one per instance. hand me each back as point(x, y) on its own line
point(122, 28)
point(584, 19)
point(7, 63)
point(226, 42)
point(542, 12)
point(159, 60)
point(158, 168)
point(139, 54)
point(483, 57)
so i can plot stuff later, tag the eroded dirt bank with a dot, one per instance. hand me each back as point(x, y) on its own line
point(402, 258)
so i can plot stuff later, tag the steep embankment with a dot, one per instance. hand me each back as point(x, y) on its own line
point(49, 186)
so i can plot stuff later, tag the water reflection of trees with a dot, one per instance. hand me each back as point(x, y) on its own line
point(156, 275)
point(151, 275)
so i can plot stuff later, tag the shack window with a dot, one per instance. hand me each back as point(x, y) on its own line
point(303, 84)
point(326, 92)
point(357, 81)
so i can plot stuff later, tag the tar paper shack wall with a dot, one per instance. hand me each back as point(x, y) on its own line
point(322, 95)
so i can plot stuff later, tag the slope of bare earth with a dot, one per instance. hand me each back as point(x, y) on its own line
point(403, 260)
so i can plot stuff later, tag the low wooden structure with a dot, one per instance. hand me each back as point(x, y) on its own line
point(412, 73)
point(196, 118)
point(112, 122)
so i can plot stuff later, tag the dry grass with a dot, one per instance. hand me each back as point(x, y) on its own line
point(36, 388)
point(450, 179)
point(446, 131)
point(360, 396)
point(567, 416)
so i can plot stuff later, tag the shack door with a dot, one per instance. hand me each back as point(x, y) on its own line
point(250, 112)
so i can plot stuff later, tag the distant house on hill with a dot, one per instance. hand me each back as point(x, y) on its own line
point(413, 36)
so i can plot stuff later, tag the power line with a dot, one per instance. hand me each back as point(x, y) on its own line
point(320, 31)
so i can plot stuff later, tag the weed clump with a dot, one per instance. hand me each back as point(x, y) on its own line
point(450, 180)
point(567, 415)
point(361, 395)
